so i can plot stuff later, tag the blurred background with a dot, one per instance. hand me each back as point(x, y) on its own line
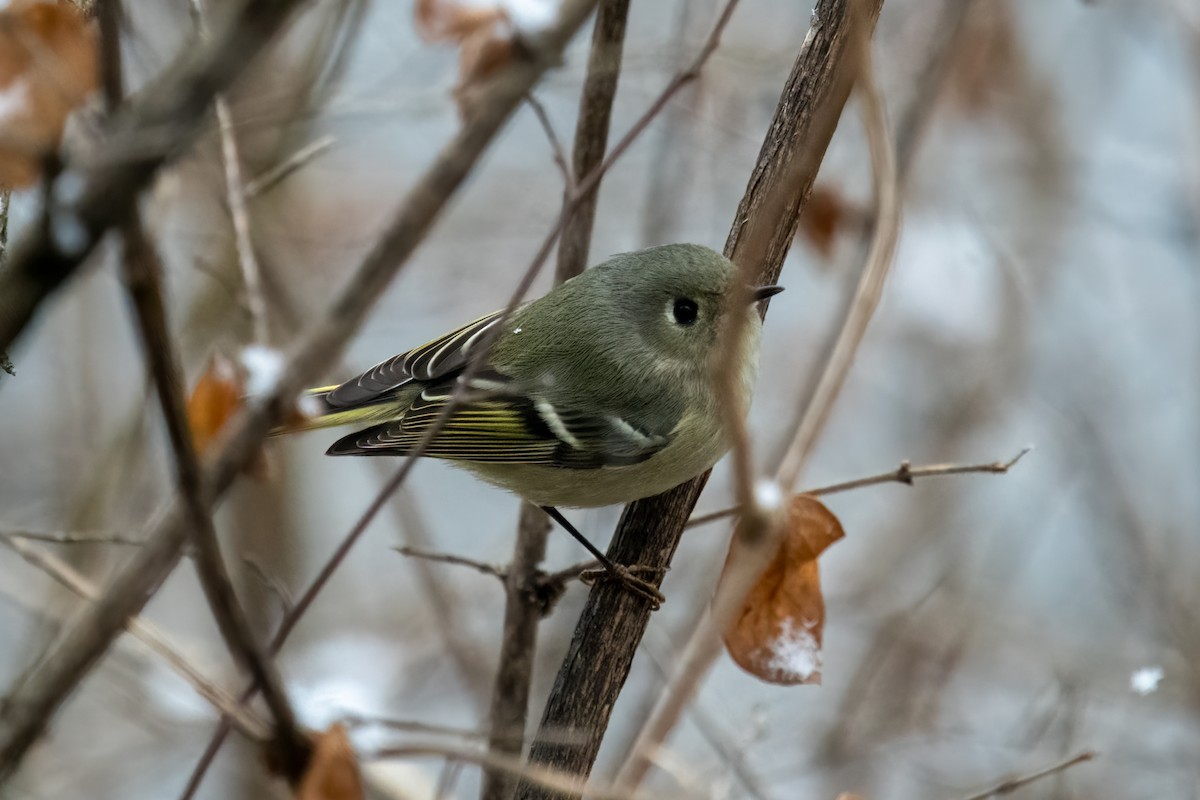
point(1046, 291)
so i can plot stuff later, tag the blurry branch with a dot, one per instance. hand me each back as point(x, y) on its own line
point(5, 196)
point(261, 184)
point(72, 537)
point(465, 651)
point(270, 582)
point(554, 782)
point(613, 622)
point(905, 473)
point(870, 286)
point(235, 197)
point(1013, 784)
point(143, 272)
point(524, 602)
point(146, 633)
point(446, 558)
point(23, 286)
point(556, 148)
point(166, 114)
point(763, 503)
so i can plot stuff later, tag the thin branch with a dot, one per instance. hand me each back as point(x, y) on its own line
point(556, 148)
point(235, 195)
point(1013, 784)
point(73, 537)
point(149, 635)
point(905, 473)
point(448, 558)
point(261, 184)
point(31, 706)
point(605, 641)
point(143, 272)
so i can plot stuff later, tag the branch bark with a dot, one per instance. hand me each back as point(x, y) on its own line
point(613, 621)
point(32, 704)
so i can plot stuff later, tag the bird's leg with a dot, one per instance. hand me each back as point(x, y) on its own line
point(610, 571)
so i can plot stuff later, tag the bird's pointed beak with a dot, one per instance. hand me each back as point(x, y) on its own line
point(763, 292)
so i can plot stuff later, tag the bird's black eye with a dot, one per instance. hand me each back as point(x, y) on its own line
point(685, 311)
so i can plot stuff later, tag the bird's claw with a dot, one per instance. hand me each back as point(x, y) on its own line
point(626, 577)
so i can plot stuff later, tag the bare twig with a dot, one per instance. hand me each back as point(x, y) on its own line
point(905, 474)
point(606, 636)
point(556, 148)
point(5, 196)
point(73, 537)
point(448, 558)
point(270, 582)
point(31, 706)
point(1013, 784)
point(150, 636)
point(261, 184)
point(558, 784)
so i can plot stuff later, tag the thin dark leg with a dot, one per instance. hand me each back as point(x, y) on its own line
point(623, 575)
point(557, 516)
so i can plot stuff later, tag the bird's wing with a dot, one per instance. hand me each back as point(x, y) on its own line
point(425, 363)
point(507, 427)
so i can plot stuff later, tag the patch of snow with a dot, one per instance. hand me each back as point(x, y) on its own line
point(1145, 681)
point(264, 366)
point(795, 653)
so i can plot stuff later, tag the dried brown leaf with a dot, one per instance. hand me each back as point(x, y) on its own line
point(484, 33)
point(777, 635)
point(332, 772)
point(823, 216)
point(216, 397)
point(48, 65)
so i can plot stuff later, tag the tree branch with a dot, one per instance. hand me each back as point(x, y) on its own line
point(613, 621)
point(1013, 784)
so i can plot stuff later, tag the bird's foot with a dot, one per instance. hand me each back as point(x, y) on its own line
point(627, 577)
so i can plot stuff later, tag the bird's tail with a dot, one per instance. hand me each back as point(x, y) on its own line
point(314, 411)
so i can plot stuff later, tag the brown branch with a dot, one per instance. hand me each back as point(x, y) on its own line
point(449, 558)
point(268, 180)
point(524, 603)
point(154, 640)
point(905, 473)
point(22, 288)
point(1013, 784)
point(556, 148)
point(145, 135)
point(73, 537)
point(605, 641)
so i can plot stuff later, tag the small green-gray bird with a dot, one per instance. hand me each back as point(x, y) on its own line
point(597, 393)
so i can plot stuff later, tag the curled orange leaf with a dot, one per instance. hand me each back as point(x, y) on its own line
point(776, 636)
point(216, 397)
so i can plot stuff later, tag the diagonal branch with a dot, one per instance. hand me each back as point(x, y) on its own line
point(31, 706)
point(147, 634)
